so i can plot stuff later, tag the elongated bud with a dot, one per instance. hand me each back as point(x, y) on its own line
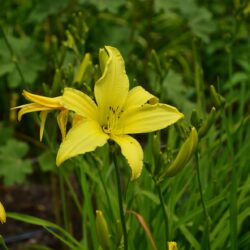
point(119, 233)
point(172, 245)
point(186, 152)
point(218, 100)
point(156, 61)
point(103, 58)
point(208, 123)
point(82, 69)
point(156, 144)
point(70, 42)
point(102, 231)
point(157, 153)
point(195, 119)
point(57, 81)
point(13, 103)
point(2, 214)
point(182, 129)
point(54, 44)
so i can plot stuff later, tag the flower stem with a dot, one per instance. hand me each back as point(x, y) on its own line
point(122, 216)
point(165, 216)
point(2, 244)
point(208, 247)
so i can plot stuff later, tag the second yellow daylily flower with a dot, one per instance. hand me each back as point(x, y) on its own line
point(117, 113)
point(2, 214)
point(44, 104)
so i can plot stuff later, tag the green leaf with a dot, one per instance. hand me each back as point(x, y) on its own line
point(5, 133)
point(30, 63)
point(45, 8)
point(111, 5)
point(47, 161)
point(13, 168)
point(6, 68)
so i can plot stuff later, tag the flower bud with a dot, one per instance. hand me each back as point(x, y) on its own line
point(70, 42)
point(156, 144)
point(119, 233)
point(83, 67)
point(195, 119)
point(186, 152)
point(218, 100)
point(172, 245)
point(208, 123)
point(2, 214)
point(102, 231)
point(13, 103)
point(57, 81)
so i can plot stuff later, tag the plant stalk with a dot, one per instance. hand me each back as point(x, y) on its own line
point(208, 245)
point(122, 215)
point(165, 216)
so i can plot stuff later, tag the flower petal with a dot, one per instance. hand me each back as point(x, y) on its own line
point(62, 119)
point(31, 107)
point(111, 89)
point(51, 102)
point(147, 118)
point(84, 137)
point(2, 214)
point(80, 103)
point(132, 151)
point(43, 116)
point(138, 96)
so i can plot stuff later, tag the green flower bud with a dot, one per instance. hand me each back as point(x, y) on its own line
point(195, 119)
point(218, 100)
point(186, 152)
point(102, 231)
point(156, 144)
point(57, 81)
point(208, 123)
point(172, 245)
point(70, 42)
point(119, 233)
point(86, 62)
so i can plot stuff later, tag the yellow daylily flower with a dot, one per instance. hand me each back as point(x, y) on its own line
point(44, 104)
point(2, 214)
point(116, 113)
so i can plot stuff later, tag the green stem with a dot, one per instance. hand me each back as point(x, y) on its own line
point(106, 193)
point(88, 218)
point(198, 79)
point(13, 56)
point(64, 204)
point(72, 192)
point(165, 216)
point(233, 194)
point(122, 216)
point(203, 202)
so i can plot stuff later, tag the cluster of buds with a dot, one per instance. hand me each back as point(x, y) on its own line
point(190, 135)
